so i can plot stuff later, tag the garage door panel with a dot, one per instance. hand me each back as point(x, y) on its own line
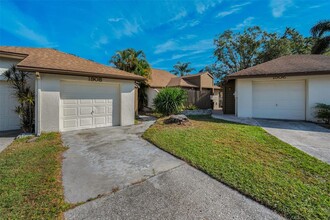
point(279, 100)
point(100, 120)
point(100, 101)
point(70, 112)
point(86, 122)
point(86, 101)
point(100, 110)
point(97, 104)
point(70, 101)
point(85, 110)
point(70, 123)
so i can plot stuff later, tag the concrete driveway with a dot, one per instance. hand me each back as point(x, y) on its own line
point(7, 137)
point(136, 180)
point(308, 137)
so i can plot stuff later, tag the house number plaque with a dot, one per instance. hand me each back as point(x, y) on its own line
point(95, 79)
point(279, 77)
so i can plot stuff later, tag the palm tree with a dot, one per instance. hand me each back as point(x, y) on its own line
point(25, 97)
point(182, 69)
point(134, 61)
point(322, 41)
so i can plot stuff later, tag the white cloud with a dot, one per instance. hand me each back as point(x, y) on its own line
point(183, 13)
point(157, 61)
point(188, 37)
point(240, 5)
point(191, 23)
point(167, 46)
point(229, 12)
point(201, 7)
point(115, 19)
point(103, 40)
point(279, 6)
point(172, 45)
point(245, 23)
point(178, 56)
point(18, 23)
point(125, 28)
point(233, 9)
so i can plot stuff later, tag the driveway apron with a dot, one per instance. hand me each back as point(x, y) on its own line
point(132, 179)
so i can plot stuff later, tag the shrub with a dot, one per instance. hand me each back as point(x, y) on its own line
point(323, 112)
point(25, 97)
point(190, 107)
point(170, 101)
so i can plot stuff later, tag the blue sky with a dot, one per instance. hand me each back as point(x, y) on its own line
point(166, 30)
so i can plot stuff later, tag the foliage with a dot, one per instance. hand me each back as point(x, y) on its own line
point(190, 107)
point(238, 51)
point(133, 61)
point(322, 41)
point(170, 101)
point(323, 112)
point(251, 161)
point(182, 69)
point(24, 95)
point(31, 180)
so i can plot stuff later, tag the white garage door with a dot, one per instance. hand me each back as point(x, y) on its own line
point(279, 100)
point(89, 105)
point(9, 120)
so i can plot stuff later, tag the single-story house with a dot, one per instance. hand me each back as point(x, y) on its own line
point(71, 93)
point(284, 88)
point(200, 88)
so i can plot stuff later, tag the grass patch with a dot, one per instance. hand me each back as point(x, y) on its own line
point(31, 179)
point(252, 161)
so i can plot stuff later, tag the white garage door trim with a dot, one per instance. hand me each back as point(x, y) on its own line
point(279, 99)
point(9, 120)
point(89, 105)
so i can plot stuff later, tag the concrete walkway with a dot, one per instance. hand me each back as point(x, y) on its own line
point(306, 136)
point(136, 180)
point(6, 138)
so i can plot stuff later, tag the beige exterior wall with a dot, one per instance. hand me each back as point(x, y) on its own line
point(50, 100)
point(206, 81)
point(152, 93)
point(317, 90)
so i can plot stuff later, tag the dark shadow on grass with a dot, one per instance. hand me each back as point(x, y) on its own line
point(216, 120)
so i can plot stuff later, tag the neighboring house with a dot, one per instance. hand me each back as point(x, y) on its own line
point(71, 93)
point(200, 88)
point(285, 88)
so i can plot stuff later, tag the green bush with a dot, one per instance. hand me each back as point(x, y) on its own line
point(323, 112)
point(170, 101)
point(190, 107)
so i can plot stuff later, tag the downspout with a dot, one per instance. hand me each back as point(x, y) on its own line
point(38, 103)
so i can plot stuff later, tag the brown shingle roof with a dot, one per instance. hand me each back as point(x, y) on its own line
point(288, 65)
point(180, 82)
point(160, 78)
point(53, 61)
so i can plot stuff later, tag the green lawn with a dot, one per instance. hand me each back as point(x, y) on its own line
point(30, 179)
point(252, 161)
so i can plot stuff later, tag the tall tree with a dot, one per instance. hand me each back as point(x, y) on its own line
point(237, 51)
point(134, 61)
point(322, 41)
point(182, 69)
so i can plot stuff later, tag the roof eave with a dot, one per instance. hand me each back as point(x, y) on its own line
point(309, 73)
point(78, 73)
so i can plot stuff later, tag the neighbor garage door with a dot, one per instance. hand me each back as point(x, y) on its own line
point(279, 100)
point(9, 120)
point(89, 105)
